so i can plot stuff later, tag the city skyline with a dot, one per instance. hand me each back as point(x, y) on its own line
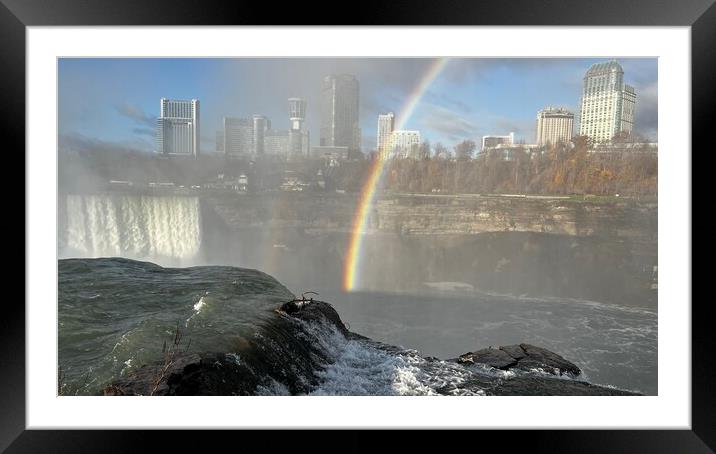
point(469, 99)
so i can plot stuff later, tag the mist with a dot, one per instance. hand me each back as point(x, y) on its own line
point(553, 244)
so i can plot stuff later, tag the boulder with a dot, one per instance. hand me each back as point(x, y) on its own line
point(523, 357)
point(314, 311)
point(489, 356)
point(541, 358)
point(514, 351)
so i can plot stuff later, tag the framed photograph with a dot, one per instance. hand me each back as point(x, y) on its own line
point(461, 218)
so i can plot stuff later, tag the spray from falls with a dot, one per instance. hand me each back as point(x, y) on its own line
point(139, 227)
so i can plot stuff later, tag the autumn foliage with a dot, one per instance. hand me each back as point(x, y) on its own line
point(559, 170)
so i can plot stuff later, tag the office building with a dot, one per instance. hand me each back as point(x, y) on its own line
point(276, 143)
point(402, 144)
point(238, 137)
point(340, 112)
point(220, 141)
point(493, 141)
point(554, 125)
point(178, 130)
point(608, 104)
point(261, 125)
point(386, 125)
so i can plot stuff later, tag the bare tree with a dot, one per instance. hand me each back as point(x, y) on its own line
point(465, 149)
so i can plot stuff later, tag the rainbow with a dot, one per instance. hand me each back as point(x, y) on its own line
point(368, 192)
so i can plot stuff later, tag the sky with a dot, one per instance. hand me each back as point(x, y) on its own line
point(114, 101)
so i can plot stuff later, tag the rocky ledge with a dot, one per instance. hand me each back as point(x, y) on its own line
point(283, 359)
point(523, 357)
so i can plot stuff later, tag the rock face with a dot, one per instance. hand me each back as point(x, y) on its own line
point(313, 311)
point(492, 357)
point(523, 357)
point(285, 359)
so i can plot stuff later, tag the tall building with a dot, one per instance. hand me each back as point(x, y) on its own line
point(220, 141)
point(386, 124)
point(297, 113)
point(607, 103)
point(402, 144)
point(261, 125)
point(299, 140)
point(276, 143)
point(340, 112)
point(178, 127)
point(554, 125)
point(239, 137)
point(493, 141)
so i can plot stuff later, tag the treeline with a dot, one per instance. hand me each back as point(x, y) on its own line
point(560, 170)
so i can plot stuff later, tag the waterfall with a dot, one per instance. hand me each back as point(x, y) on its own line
point(138, 227)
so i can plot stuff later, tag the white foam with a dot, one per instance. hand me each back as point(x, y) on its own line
point(140, 227)
point(199, 305)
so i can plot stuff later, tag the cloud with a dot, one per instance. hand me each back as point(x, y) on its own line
point(646, 117)
point(136, 114)
point(446, 122)
point(445, 100)
point(80, 143)
point(145, 131)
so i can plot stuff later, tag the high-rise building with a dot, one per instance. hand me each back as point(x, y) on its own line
point(261, 125)
point(402, 144)
point(554, 125)
point(239, 137)
point(299, 140)
point(628, 107)
point(178, 127)
point(386, 124)
point(340, 112)
point(607, 103)
point(297, 113)
point(277, 143)
point(220, 141)
point(494, 141)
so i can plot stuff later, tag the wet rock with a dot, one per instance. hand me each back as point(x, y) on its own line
point(490, 356)
point(541, 358)
point(547, 386)
point(314, 311)
point(525, 357)
point(514, 351)
point(283, 356)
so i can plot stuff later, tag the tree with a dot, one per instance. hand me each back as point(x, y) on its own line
point(441, 151)
point(465, 149)
point(424, 151)
point(622, 137)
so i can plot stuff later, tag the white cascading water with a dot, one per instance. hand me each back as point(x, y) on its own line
point(138, 227)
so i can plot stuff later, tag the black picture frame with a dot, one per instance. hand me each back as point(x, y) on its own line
point(16, 15)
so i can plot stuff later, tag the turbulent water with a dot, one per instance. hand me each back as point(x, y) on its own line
point(613, 345)
point(141, 227)
point(117, 315)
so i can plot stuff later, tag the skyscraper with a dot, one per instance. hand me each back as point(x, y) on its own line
point(386, 124)
point(403, 144)
point(238, 137)
point(554, 125)
point(340, 111)
point(607, 103)
point(277, 143)
point(261, 125)
point(299, 141)
point(178, 127)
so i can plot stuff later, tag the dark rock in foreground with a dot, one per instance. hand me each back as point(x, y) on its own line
point(284, 359)
point(523, 357)
point(492, 357)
